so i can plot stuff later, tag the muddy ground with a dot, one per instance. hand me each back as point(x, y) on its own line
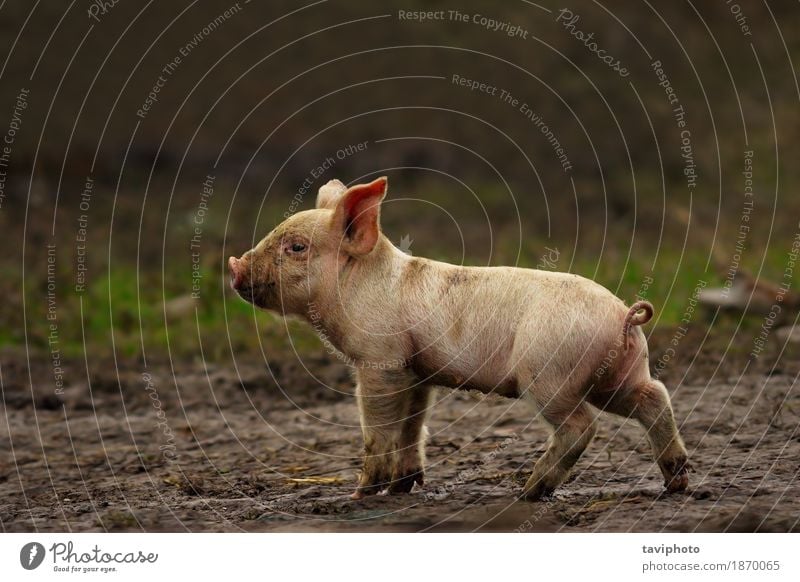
point(245, 451)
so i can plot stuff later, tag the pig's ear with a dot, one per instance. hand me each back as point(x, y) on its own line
point(330, 194)
point(357, 217)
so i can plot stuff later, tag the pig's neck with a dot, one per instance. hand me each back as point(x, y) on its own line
point(358, 283)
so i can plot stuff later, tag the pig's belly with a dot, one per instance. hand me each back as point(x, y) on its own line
point(478, 361)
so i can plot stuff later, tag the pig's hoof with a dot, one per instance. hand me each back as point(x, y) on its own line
point(405, 483)
point(538, 492)
point(677, 483)
point(362, 493)
point(676, 474)
point(365, 491)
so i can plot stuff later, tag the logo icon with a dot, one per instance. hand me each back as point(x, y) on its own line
point(405, 244)
point(31, 555)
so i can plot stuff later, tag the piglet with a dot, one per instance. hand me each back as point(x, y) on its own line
point(557, 340)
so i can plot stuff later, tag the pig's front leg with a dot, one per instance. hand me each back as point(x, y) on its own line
point(383, 402)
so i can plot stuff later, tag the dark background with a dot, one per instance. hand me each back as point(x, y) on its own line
point(277, 88)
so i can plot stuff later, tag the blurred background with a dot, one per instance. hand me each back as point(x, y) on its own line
point(557, 150)
point(650, 147)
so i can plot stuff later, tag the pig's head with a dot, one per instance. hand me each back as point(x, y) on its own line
point(303, 256)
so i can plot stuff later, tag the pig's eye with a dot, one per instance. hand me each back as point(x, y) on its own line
point(298, 247)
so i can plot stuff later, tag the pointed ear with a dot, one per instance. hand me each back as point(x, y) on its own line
point(357, 217)
point(329, 195)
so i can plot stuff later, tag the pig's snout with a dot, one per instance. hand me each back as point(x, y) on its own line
point(237, 273)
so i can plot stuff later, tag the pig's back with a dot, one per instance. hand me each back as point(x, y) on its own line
point(481, 322)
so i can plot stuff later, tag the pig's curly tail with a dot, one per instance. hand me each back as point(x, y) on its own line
point(640, 313)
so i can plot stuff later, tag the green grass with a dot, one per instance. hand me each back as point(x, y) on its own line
point(112, 316)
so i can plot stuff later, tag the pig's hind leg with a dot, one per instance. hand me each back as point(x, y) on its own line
point(573, 429)
point(647, 400)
